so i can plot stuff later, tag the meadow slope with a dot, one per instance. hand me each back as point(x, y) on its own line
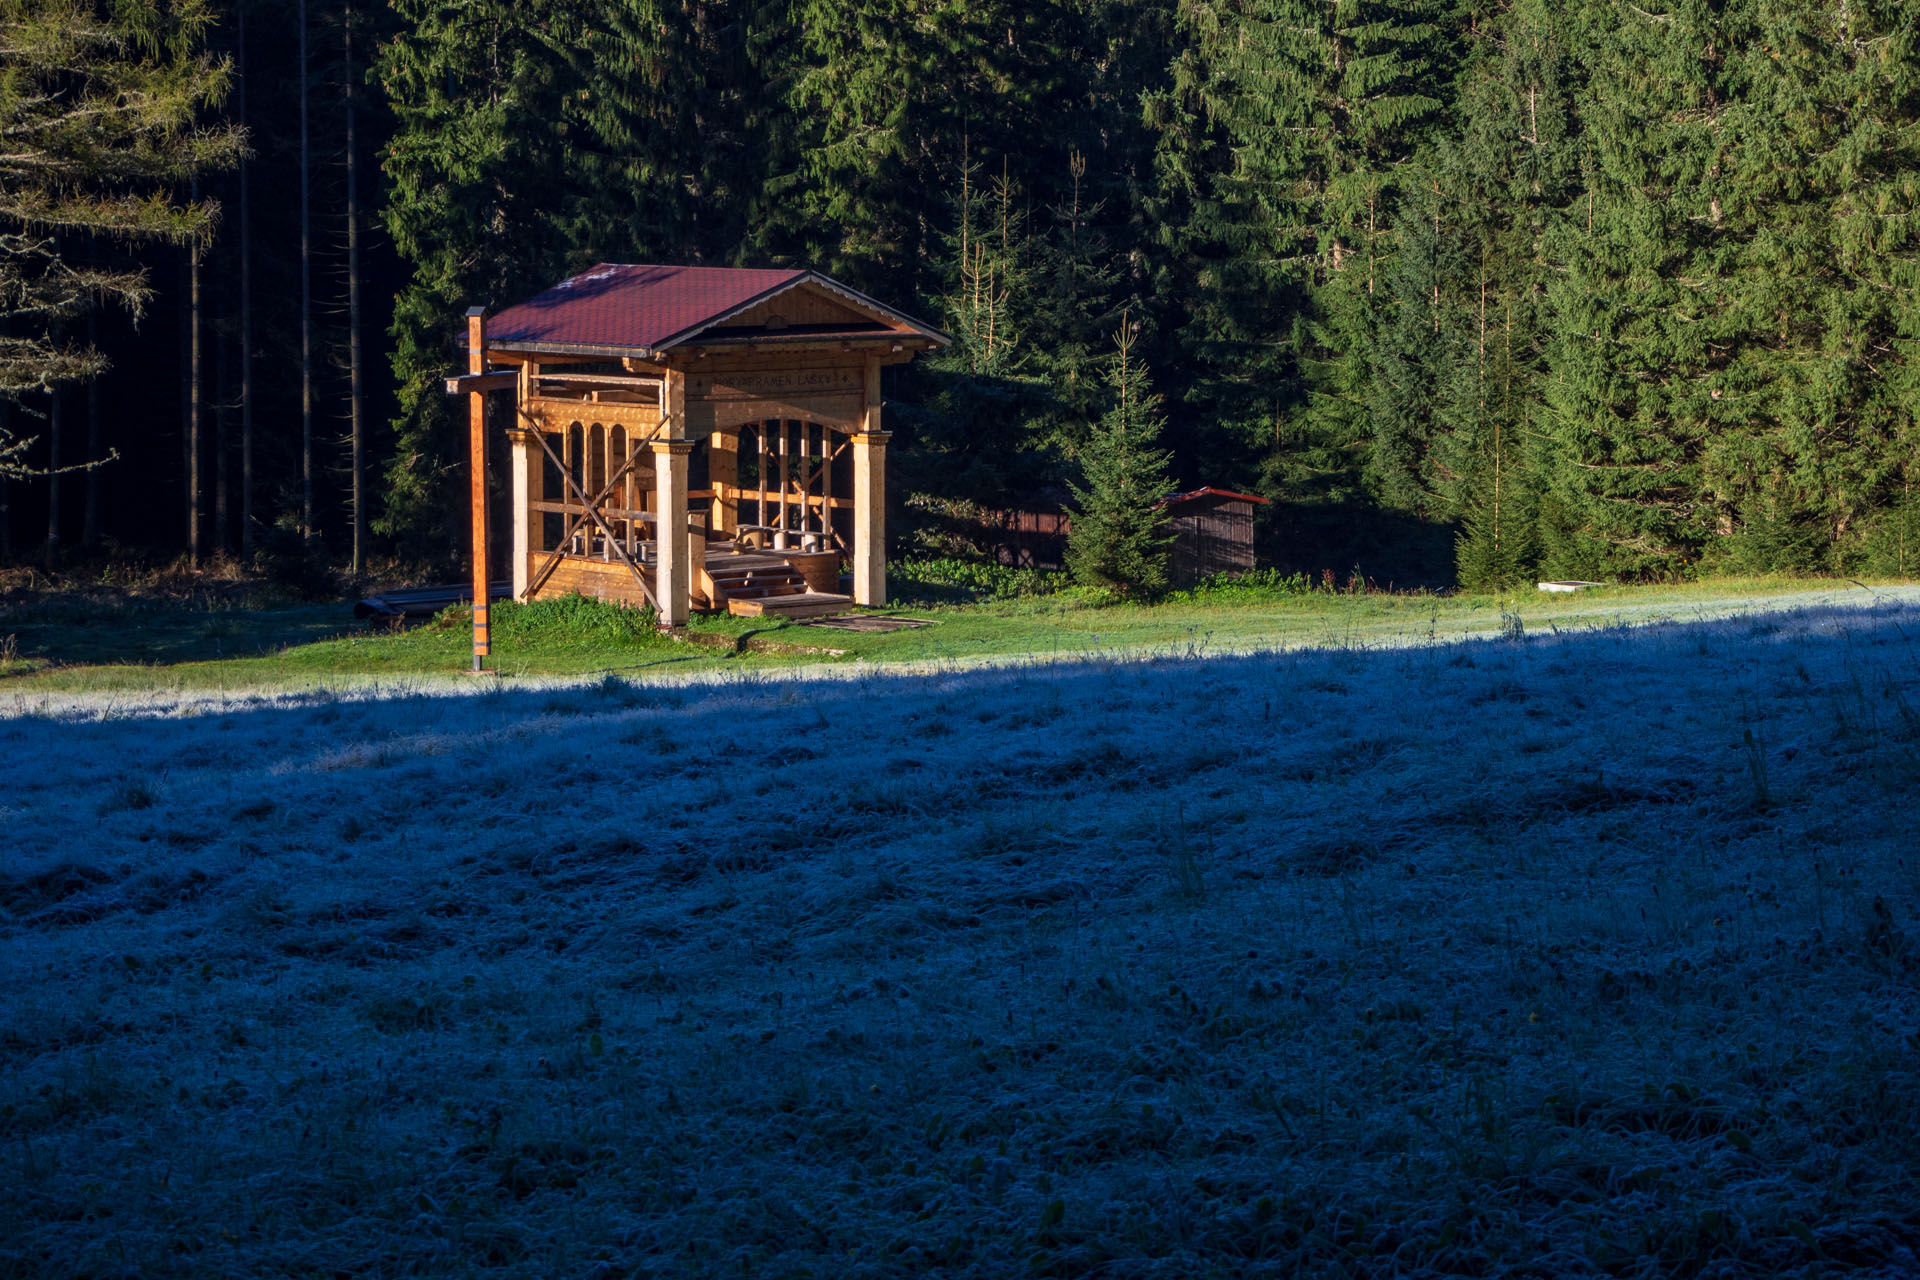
point(1568, 954)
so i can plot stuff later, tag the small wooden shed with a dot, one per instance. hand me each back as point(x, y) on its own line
point(690, 437)
point(1212, 533)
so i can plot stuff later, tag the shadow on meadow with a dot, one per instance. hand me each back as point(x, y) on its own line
point(1589, 953)
point(74, 628)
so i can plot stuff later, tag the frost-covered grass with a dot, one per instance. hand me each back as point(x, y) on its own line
point(1554, 955)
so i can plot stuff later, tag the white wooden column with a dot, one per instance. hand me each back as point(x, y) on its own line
point(526, 481)
point(673, 575)
point(870, 497)
point(870, 517)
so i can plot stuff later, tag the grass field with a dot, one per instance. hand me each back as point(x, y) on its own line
point(81, 642)
point(1543, 954)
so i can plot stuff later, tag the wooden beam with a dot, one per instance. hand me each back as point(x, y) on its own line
point(760, 434)
point(575, 509)
point(786, 479)
point(826, 483)
point(477, 450)
point(620, 380)
point(803, 482)
point(477, 381)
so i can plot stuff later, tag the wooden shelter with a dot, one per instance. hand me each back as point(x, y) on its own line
point(690, 437)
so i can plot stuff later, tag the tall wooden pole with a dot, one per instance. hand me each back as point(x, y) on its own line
point(477, 455)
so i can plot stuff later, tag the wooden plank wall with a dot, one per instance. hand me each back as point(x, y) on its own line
point(1210, 535)
point(592, 579)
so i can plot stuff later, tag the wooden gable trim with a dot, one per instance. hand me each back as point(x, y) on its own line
point(851, 297)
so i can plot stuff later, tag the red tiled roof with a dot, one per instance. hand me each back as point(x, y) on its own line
point(1208, 490)
point(633, 305)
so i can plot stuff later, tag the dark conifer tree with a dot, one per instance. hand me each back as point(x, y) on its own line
point(78, 164)
point(477, 203)
point(1286, 128)
point(1118, 536)
point(1512, 165)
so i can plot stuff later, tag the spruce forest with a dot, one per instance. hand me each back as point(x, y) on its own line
point(1470, 291)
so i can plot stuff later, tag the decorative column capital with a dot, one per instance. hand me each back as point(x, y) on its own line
point(677, 448)
point(872, 438)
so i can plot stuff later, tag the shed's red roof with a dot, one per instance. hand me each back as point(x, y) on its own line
point(1208, 491)
point(627, 306)
point(633, 305)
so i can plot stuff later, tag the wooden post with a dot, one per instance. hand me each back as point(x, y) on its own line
point(870, 500)
point(827, 446)
point(723, 474)
point(673, 571)
point(786, 469)
point(477, 460)
point(870, 518)
point(697, 553)
point(526, 491)
point(760, 439)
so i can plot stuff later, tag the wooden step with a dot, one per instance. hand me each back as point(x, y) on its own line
point(730, 582)
point(807, 604)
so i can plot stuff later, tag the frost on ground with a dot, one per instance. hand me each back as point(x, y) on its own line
point(1560, 955)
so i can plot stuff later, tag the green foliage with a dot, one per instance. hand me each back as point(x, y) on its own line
point(1285, 134)
point(947, 581)
point(564, 622)
point(1592, 292)
point(531, 141)
point(1732, 359)
point(1256, 586)
point(1118, 540)
point(295, 560)
point(102, 108)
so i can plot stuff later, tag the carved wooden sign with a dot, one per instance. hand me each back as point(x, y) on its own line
point(842, 411)
point(774, 384)
point(557, 415)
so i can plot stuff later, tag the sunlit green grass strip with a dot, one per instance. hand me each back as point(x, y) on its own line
point(572, 637)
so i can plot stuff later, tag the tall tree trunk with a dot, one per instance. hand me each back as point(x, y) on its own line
point(222, 409)
point(6, 513)
point(90, 520)
point(246, 314)
point(196, 483)
point(353, 312)
point(306, 297)
point(54, 424)
point(186, 391)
